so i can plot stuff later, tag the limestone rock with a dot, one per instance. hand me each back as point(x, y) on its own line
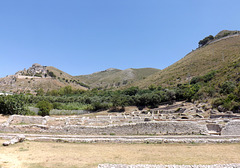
point(221, 109)
point(232, 128)
point(16, 139)
point(213, 111)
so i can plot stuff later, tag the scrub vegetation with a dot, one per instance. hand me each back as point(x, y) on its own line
point(227, 95)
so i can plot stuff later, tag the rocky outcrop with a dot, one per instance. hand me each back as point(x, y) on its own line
point(35, 70)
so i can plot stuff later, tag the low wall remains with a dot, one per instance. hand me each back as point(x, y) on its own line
point(146, 128)
point(71, 125)
point(19, 119)
point(232, 128)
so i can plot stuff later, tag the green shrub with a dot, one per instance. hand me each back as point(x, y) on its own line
point(96, 106)
point(205, 78)
point(40, 92)
point(44, 108)
point(228, 102)
point(131, 91)
point(195, 79)
point(217, 102)
point(57, 105)
point(209, 76)
point(50, 73)
point(13, 104)
point(227, 87)
point(38, 75)
point(235, 107)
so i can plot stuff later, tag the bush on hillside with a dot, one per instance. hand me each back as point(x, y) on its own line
point(205, 78)
point(205, 40)
point(50, 73)
point(227, 87)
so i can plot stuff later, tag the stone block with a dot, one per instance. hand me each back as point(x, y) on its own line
point(232, 128)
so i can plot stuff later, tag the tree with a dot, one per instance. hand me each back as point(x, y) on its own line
point(205, 40)
point(119, 100)
point(50, 73)
point(14, 104)
point(67, 90)
point(131, 91)
point(44, 108)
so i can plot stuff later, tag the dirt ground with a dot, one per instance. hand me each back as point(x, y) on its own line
point(82, 155)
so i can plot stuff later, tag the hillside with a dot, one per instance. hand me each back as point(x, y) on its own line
point(115, 78)
point(222, 55)
point(36, 77)
point(51, 78)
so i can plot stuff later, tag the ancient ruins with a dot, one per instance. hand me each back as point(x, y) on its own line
point(180, 118)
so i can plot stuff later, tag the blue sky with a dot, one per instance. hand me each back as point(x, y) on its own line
point(85, 36)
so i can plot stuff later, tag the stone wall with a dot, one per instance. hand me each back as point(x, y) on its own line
point(147, 128)
point(19, 119)
point(77, 125)
point(232, 128)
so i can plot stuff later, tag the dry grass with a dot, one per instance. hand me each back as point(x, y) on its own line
point(116, 77)
point(66, 155)
point(216, 56)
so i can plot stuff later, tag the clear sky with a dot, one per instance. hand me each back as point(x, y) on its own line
point(85, 36)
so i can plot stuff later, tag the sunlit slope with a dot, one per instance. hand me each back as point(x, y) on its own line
point(223, 56)
point(115, 78)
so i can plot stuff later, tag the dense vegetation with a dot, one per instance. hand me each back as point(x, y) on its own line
point(14, 104)
point(225, 96)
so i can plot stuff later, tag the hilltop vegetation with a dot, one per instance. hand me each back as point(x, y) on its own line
point(220, 35)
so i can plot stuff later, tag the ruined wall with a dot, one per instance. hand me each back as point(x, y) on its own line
point(19, 119)
point(232, 128)
point(163, 128)
point(147, 128)
point(68, 125)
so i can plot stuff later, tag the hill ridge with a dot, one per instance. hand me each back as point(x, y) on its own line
point(213, 56)
point(221, 53)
